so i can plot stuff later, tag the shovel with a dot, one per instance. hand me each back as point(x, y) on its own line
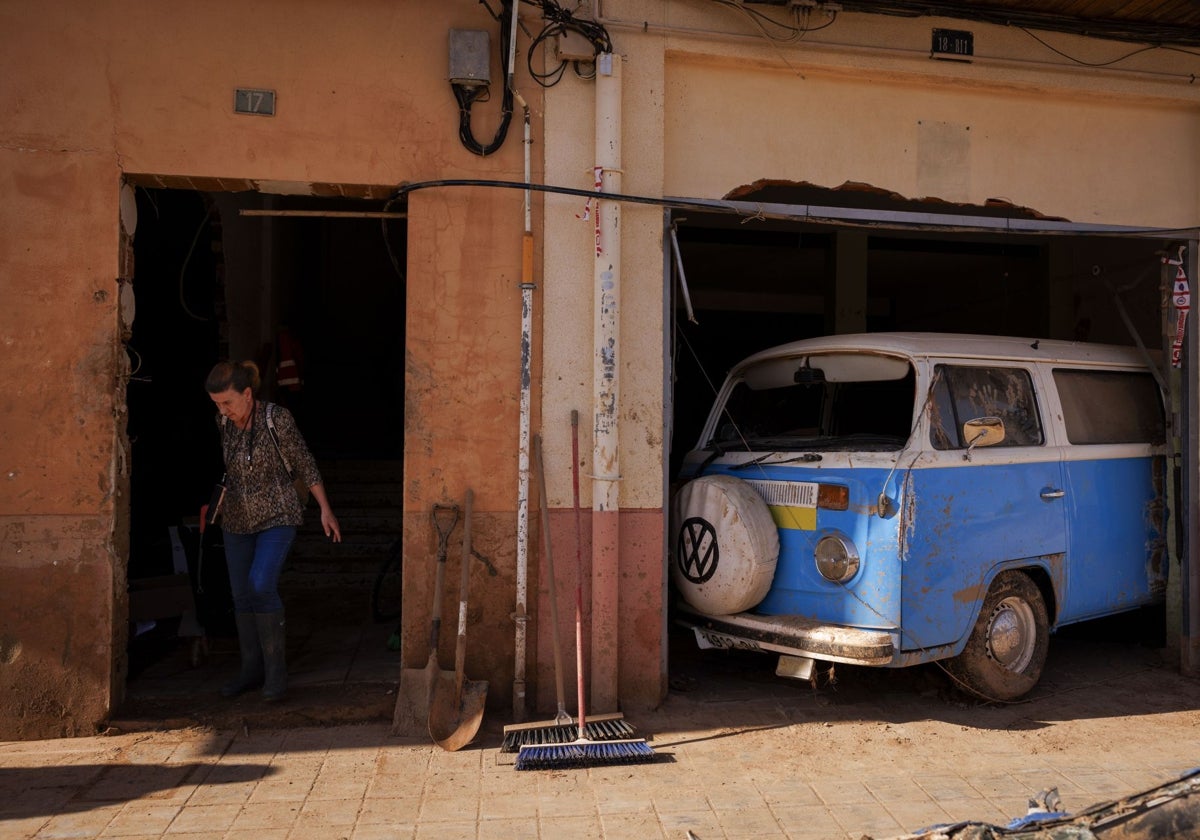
point(416, 684)
point(456, 708)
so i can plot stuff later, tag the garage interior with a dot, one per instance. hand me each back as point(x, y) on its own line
point(215, 269)
point(753, 283)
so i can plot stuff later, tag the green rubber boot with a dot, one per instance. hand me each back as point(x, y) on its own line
point(272, 635)
point(251, 673)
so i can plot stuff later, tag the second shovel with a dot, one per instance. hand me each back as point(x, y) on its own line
point(456, 708)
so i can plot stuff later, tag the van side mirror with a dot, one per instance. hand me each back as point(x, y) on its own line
point(982, 431)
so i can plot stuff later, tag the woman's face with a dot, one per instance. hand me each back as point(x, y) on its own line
point(236, 405)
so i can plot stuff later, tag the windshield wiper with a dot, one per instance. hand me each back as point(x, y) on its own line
point(811, 457)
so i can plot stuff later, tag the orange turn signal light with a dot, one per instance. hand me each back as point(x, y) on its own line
point(833, 497)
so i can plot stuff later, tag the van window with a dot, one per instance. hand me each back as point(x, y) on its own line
point(962, 393)
point(771, 410)
point(1110, 407)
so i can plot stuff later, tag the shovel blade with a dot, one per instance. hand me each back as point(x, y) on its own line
point(411, 717)
point(454, 721)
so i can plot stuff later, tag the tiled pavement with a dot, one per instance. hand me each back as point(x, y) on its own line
point(740, 754)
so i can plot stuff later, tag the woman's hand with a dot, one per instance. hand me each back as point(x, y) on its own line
point(330, 523)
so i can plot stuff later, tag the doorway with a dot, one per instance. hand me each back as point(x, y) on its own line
point(250, 276)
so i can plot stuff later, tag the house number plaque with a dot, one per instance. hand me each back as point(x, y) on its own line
point(254, 101)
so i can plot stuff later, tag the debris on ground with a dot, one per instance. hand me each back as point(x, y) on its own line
point(1168, 810)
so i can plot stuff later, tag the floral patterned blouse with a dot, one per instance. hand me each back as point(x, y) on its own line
point(258, 491)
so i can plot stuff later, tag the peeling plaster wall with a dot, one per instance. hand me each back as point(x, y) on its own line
point(711, 105)
point(58, 476)
point(1062, 155)
point(97, 90)
point(862, 101)
point(94, 91)
point(567, 324)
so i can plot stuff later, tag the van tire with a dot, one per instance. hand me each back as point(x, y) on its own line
point(1006, 650)
point(725, 545)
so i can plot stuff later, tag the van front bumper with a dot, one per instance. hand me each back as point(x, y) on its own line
point(791, 635)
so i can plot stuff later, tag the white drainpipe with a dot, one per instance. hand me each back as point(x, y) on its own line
point(606, 472)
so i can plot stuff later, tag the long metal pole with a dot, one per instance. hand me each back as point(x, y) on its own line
point(606, 468)
point(521, 615)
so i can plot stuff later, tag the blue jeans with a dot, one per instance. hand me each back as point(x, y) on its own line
point(255, 561)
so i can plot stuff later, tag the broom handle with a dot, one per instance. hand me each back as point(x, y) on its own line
point(545, 506)
point(578, 570)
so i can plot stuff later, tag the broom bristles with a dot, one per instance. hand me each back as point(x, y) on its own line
point(583, 753)
point(594, 730)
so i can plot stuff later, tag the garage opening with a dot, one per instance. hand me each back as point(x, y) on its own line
point(244, 275)
point(749, 283)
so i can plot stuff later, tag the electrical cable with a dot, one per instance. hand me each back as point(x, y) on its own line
point(188, 258)
point(1080, 61)
point(468, 95)
point(561, 22)
point(796, 31)
point(1117, 30)
point(758, 214)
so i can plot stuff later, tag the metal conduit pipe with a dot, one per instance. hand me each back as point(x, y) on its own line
point(520, 616)
point(520, 613)
point(606, 471)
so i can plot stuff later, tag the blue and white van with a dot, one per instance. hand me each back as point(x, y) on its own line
point(894, 498)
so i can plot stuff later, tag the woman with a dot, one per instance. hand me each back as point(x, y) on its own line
point(259, 518)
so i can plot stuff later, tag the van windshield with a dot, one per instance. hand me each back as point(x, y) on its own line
point(829, 403)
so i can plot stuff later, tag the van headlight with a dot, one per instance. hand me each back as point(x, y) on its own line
point(837, 558)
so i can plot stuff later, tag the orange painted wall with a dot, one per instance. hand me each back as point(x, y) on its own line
point(96, 91)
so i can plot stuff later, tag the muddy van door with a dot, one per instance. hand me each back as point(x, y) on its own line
point(978, 508)
point(1113, 463)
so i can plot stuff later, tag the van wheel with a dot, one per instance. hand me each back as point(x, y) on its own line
point(1004, 656)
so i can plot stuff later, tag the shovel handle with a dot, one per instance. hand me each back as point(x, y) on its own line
point(435, 624)
point(444, 517)
point(460, 649)
point(544, 506)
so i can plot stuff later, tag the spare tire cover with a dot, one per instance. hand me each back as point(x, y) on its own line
point(724, 545)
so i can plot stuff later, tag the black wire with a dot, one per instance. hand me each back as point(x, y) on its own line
point(468, 95)
point(1116, 30)
point(712, 207)
point(1081, 62)
point(795, 31)
point(560, 22)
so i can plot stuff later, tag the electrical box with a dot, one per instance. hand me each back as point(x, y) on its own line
point(571, 46)
point(469, 57)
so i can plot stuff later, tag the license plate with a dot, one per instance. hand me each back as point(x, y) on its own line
point(707, 639)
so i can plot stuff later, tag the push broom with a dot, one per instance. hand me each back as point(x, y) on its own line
point(582, 752)
point(562, 728)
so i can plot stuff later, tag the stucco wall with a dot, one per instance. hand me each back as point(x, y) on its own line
point(94, 91)
point(711, 105)
point(97, 90)
point(61, 585)
point(862, 101)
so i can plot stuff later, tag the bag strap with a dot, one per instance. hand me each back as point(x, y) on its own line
point(275, 440)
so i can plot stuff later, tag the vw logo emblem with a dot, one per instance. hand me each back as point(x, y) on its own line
point(696, 550)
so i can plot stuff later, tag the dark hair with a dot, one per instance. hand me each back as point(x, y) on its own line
point(236, 375)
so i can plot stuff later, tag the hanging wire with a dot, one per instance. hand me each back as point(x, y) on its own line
point(187, 259)
point(560, 21)
point(468, 95)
